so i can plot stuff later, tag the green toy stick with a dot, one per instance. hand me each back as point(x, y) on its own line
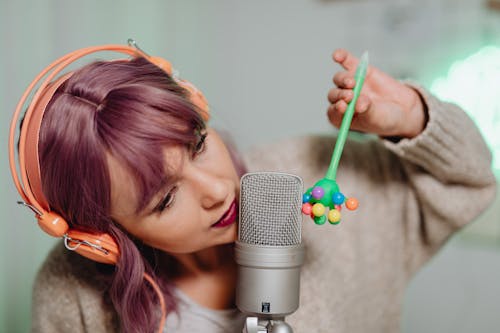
point(326, 192)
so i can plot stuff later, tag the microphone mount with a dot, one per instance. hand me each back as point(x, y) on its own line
point(258, 325)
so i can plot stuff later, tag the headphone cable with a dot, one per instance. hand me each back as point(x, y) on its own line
point(161, 298)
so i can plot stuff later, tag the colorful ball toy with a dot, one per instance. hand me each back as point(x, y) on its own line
point(324, 200)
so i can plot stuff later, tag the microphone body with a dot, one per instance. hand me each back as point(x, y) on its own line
point(269, 252)
point(268, 279)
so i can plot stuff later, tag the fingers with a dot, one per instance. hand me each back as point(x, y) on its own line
point(340, 99)
point(334, 116)
point(344, 80)
point(342, 94)
point(363, 104)
point(335, 94)
point(345, 59)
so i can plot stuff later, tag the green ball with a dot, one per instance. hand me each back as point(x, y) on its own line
point(319, 220)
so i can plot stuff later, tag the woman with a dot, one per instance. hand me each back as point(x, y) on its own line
point(124, 151)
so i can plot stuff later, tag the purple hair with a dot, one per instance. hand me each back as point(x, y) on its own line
point(131, 110)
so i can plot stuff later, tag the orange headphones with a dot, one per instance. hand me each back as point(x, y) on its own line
point(98, 247)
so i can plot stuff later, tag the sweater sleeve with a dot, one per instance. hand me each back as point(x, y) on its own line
point(449, 169)
point(451, 147)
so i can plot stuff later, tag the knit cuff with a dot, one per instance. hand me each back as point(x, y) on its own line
point(447, 144)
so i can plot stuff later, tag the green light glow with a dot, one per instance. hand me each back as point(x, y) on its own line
point(474, 84)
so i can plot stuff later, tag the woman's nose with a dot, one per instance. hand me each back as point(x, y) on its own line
point(213, 189)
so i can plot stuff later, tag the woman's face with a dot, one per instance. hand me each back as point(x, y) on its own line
point(198, 211)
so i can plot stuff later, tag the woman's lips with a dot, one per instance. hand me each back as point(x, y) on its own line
point(229, 216)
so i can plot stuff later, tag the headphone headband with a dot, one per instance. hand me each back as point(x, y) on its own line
point(31, 191)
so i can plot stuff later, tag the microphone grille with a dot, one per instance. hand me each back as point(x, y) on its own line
point(270, 209)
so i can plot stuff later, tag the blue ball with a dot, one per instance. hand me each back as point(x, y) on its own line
point(338, 198)
point(306, 197)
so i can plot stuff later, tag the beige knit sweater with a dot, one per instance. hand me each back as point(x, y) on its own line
point(413, 195)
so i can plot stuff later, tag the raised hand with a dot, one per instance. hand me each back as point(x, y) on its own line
point(386, 107)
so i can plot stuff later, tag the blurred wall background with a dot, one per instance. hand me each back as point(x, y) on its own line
point(263, 65)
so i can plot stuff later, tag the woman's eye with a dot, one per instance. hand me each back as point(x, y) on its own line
point(200, 145)
point(167, 201)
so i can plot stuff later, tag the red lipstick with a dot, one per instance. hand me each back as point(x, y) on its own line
point(229, 216)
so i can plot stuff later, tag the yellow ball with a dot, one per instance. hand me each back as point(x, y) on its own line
point(333, 216)
point(318, 209)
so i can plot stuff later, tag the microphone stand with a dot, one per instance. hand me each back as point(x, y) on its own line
point(266, 325)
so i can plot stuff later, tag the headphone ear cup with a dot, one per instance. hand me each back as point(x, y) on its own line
point(162, 63)
point(53, 224)
point(98, 247)
point(196, 97)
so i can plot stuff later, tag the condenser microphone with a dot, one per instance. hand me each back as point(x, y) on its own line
point(269, 252)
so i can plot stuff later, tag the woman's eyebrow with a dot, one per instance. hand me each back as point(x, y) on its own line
point(153, 197)
point(169, 176)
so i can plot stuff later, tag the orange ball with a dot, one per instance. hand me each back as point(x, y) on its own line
point(351, 203)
